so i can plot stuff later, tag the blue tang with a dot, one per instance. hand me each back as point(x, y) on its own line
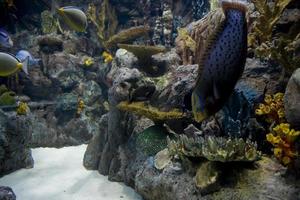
point(23, 55)
point(5, 40)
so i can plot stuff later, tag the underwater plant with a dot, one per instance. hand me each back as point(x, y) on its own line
point(283, 139)
point(272, 108)
point(277, 47)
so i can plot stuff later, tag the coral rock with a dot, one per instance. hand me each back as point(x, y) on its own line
point(292, 100)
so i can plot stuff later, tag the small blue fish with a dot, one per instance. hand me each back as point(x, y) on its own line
point(23, 54)
point(5, 40)
point(223, 62)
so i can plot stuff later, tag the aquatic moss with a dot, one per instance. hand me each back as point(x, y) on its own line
point(152, 140)
point(215, 148)
point(127, 35)
point(140, 108)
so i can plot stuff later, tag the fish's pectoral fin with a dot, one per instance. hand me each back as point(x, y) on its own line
point(216, 91)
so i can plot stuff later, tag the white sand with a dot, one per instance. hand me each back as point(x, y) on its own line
point(58, 174)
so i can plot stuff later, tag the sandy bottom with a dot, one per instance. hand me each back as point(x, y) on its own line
point(58, 174)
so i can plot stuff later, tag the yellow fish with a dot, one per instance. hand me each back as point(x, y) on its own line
point(107, 57)
point(10, 65)
point(75, 18)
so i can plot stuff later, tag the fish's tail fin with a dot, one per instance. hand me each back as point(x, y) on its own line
point(25, 64)
point(234, 4)
point(54, 7)
point(37, 61)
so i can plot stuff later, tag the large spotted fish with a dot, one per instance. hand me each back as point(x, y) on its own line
point(222, 61)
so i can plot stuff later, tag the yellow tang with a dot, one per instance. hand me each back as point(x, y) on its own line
point(9, 64)
point(72, 16)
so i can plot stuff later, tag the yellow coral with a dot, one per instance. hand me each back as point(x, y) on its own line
point(80, 106)
point(277, 152)
point(283, 138)
point(88, 61)
point(22, 108)
point(108, 58)
point(140, 108)
point(272, 108)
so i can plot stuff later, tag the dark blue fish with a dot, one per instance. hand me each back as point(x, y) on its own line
point(223, 62)
point(5, 40)
point(23, 55)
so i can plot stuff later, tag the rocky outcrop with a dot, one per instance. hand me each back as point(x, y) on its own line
point(15, 136)
point(265, 180)
point(6, 193)
point(292, 100)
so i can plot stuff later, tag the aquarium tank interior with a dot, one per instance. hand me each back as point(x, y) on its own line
point(150, 99)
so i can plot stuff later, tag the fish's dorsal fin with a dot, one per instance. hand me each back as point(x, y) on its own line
point(71, 7)
point(201, 32)
point(11, 55)
point(218, 19)
point(233, 4)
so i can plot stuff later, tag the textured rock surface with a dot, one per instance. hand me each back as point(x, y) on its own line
point(292, 100)
point(6, 193)
point(266, 180)
point(15, 135)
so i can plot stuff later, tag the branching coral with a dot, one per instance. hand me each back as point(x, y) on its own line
point(105, 20)
point(283, 139)
point(270, 46)
point(272, 108)
point(140, 108)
